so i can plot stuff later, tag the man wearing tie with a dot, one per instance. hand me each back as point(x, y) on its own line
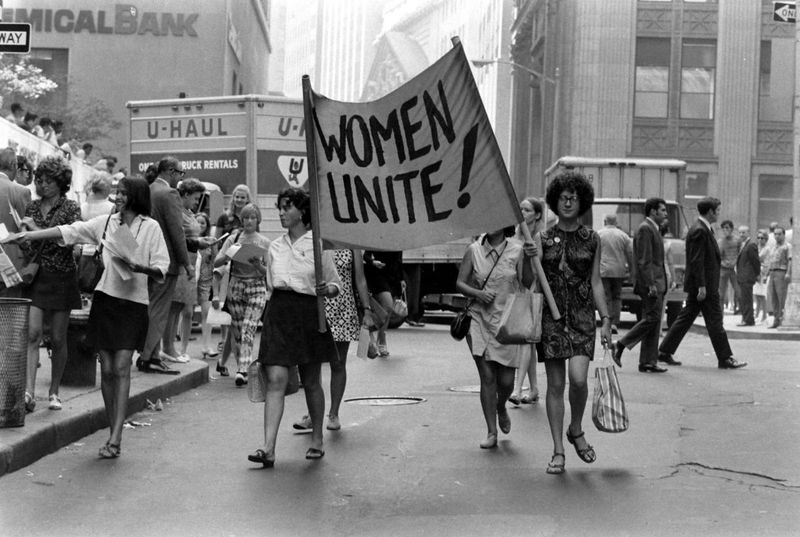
point(651, 285)
point(701, 283)
point(748, 269)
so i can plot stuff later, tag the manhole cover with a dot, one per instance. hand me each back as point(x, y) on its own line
point(385, 400)
point(467, 389)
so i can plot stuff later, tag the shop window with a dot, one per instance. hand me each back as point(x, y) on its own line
point(775, 195)
point(652, 77)
point(776, 80)
point(698, 71)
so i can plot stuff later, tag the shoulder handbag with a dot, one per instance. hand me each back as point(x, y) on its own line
point(459, 326)
point(608, 407)
point(91, 270)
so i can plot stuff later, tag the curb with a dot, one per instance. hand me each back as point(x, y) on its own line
point(752, 333)
point(46, 432)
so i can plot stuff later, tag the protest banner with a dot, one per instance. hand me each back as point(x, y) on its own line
point(418, 167)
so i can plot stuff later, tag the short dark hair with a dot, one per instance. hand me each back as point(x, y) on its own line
point(45, 122)
point(299, 198)
point(151, 173)
point(138, 194)
point(652, 204)
point(30, 116)
point(16, 107)
point(189, 186)
point(87, 147)
point(783, 229)
point(707, 204)
point(167, 163)
point(574, 182)
point(56, 169)
point(726, 223)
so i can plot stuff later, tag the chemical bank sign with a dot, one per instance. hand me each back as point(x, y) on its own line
point(122, 19)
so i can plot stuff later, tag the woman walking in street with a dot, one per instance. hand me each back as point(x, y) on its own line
point(247, 290)
point(342, 317)
point(54, 290)
point(118, 318)
point(493, 268)
point(290, 336)
point(533, 213)
point(571, 262)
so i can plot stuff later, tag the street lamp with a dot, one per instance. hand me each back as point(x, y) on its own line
point(556, 113)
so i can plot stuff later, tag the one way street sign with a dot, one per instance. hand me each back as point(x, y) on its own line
point(15, 37)
point(784, 12)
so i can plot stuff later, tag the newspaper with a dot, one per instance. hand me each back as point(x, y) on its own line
point(8, 271)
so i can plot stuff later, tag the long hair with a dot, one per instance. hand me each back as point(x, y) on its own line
point(138, 195)
point(239, 188)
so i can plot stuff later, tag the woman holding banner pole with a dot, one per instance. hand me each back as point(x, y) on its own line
point(290, 335)
point(571, 262)
point(494, 267)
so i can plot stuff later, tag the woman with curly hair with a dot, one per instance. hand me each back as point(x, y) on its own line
point(571, 262)
point(54, 290)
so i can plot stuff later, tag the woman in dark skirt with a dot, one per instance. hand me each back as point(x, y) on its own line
point(54, 291)
point(118, 318)
point(290, 335)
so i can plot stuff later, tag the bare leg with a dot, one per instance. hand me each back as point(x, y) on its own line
point(171, 329)
point(339, 377)
point(489, 395)
point(532, 381)
point(59, 323)
point(277, 377)
point(556, 380)
point(524, 362)
point(315, 400)
point(35, 320)
point(387, 302)
point(122, 387)
point(205, 328)
point(186, 326)
point(107, 384)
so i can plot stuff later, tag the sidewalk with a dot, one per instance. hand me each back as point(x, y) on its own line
point(45, 431)
point(759, 331)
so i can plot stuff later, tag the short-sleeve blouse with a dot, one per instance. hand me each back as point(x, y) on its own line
point(54, 257)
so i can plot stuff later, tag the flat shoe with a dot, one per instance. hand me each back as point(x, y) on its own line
point(241, 378)
point(314, 453)
point(652, 368)
point(30, 402)
point(504, 421)
point(333, 423)
point(110, 451)
point(514, 399)
point(586, 454)
point(554, 467)
point(490, 442)
point(260, 456)
point(303, 424)
point(530, 399)
point(222, 370)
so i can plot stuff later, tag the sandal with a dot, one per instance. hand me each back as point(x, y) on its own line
point(586, 454)
point(515, 399)
point(555, 468)
point(110, 451)
point(261, 456)
point(528, 399)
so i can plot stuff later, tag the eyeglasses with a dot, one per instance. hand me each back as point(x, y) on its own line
point(567, 199)
point(180, 173)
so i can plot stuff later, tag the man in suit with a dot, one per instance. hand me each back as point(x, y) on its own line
point(167, 210)
point(748, 269)
point(16, 196)
point(701, 283)
point(651, 285)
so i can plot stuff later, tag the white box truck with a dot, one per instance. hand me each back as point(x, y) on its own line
point(257, 140)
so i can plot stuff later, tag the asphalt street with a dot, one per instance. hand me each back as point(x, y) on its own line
point(709, 452)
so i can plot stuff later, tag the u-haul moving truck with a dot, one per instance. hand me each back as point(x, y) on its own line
point(256, 140)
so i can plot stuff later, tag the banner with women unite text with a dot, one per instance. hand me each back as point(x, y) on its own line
point(418, 167)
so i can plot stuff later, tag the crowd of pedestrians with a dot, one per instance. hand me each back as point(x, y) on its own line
point(147, 295)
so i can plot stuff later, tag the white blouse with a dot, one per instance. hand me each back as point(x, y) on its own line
point(152, 252)
point(291, 266)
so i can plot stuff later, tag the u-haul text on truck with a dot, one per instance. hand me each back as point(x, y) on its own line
point(255, 140)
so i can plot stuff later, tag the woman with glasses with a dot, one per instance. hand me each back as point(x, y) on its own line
point(54, 290)
point(571, 262)
point(760, 287)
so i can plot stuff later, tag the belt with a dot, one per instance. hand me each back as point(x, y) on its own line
point(777, 270)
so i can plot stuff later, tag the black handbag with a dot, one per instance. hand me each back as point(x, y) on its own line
point(459, 326)
point(91, 270)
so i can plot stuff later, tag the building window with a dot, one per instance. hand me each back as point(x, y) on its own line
point(696, 189)
point(775, 195)
point(652, 77)
point(776, 80)
point(698, 70)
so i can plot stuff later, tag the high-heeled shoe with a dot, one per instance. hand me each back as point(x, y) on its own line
point(222, 370)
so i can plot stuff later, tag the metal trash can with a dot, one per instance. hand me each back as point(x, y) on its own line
point(13, 360)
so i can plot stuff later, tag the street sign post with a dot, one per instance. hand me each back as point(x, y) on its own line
point(784, 11)
point(15, 38)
